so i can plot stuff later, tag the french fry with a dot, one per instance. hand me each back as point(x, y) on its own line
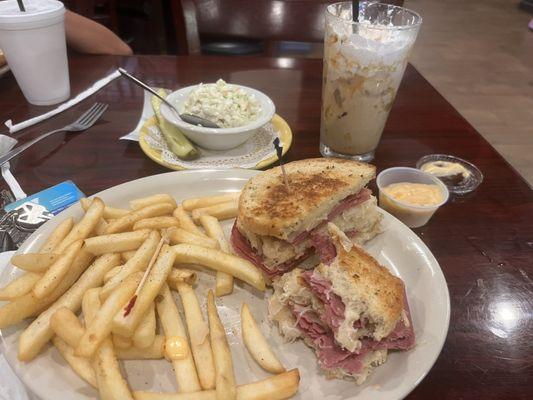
point(199, 335)
point(224, 282)
point(101, 227)
point(172, 324)
point(184, 275)
point(100, 327)
point(179, 235)
point(115, 243)
point(219, 261)
point(225, 375)
point(109, 212)
point(29, 305)
point(154, 351)
point(219, 211)
point(121, 342)
point(277, 387)
point(126, 325)
point(186, 221)
point(111, 383)
point(102, 224)
point(79, 365)
point(57, 236)
point(53, 275)
point(69, 329)
point(144, 335)
point(19, 286)
point(39, 331)
point(150, 200)
point(67, 326)
point(202, 202)
point(126, 255)
point(85, 226)
point(256, 343)
point(90, 304)
point(155, 223)
point(127, 221)
point(138, 262)
point(111, 273)
point(34, 262)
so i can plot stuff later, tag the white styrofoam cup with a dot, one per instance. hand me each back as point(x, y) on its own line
point(35, 48)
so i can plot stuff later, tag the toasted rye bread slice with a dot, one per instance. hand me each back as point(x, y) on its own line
point(317, 185)
point(360, 280)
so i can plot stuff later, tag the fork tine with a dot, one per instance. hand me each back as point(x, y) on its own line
point(86, 113)
point(97, 115)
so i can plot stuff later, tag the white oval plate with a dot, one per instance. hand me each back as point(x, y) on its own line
point(398, 248)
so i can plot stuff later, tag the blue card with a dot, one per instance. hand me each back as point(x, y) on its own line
point(54, 199)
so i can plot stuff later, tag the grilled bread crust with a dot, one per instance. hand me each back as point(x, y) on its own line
point(316, 186)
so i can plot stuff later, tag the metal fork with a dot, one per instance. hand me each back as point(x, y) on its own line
point(82, 123)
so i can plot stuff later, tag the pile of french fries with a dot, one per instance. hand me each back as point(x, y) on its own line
point(98, 287)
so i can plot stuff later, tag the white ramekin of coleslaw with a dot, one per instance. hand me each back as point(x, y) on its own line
point(238, 110)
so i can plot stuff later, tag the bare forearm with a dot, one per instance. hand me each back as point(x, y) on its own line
point(87, 36)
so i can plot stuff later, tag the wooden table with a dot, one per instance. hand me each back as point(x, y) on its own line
point(483, 241)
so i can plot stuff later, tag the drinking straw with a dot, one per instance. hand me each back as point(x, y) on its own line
point(21, 5)
point(355, 11)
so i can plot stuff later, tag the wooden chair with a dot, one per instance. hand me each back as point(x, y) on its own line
point(265, 20)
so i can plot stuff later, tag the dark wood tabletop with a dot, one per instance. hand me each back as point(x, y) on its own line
point(483, 241)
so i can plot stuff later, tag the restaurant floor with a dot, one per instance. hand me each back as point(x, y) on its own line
point(479, 55)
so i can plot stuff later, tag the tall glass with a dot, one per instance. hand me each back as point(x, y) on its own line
point(364, 62)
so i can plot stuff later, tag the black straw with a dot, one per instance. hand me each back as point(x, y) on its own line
point(279, 152)
point(355, 11)
point(21, 5)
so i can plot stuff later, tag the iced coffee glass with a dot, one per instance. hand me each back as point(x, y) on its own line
point(364, 62)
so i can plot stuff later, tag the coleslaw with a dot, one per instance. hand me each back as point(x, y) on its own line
point(226, 105)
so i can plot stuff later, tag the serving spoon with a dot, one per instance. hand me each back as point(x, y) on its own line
point(189, 118)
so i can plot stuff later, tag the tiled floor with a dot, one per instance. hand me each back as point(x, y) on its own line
point(479, 55)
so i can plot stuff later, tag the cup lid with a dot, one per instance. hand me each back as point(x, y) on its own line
point(36, 10)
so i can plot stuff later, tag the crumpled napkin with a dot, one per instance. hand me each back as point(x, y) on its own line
point(147, 112)
point(80, 97)
point(6, 144)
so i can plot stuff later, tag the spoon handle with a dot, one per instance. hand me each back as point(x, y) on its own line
point(146, 87)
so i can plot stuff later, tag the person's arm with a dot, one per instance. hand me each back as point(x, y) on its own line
point(87, 36)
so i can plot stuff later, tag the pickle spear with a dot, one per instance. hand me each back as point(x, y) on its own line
point(176, 141)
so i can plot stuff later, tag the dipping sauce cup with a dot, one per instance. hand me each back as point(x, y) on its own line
point(412, 215)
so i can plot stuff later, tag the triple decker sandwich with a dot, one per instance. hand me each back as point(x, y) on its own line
point(282, 224)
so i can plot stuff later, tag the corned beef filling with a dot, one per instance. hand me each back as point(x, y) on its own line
point(330, 354)
point(401, 338)
point(321, 242)
point(243, 248)
point(349, 202)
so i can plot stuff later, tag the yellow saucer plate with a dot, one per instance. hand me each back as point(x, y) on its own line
point(280, 125)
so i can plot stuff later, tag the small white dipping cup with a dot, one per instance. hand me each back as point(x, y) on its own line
point(35, 48)
point(413, 216)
